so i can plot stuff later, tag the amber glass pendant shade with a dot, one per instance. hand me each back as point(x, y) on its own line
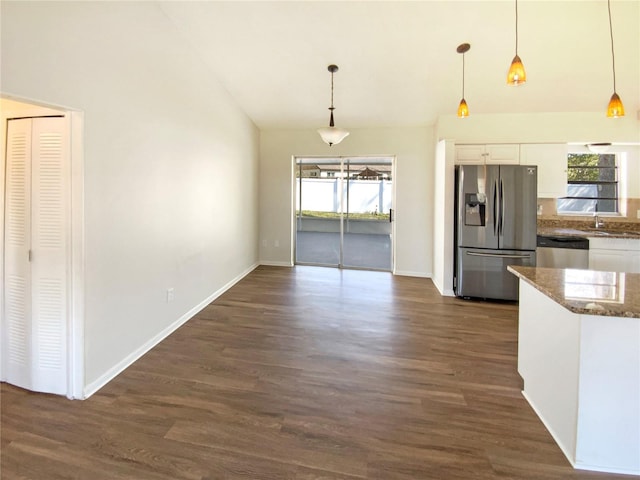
point(463, 109)
point(615, 108)
point(516, 75)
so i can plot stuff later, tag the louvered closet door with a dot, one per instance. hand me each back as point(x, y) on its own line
point(38, 304)
point(17, 241)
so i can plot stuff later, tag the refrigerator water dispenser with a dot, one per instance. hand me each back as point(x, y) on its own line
point(475, 209)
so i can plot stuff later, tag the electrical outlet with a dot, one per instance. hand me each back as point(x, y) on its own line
point(170, 295)
point(276, 243)
point(638, 213)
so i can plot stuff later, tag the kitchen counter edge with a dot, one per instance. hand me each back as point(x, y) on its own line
point(550, 281)
point(573, 232)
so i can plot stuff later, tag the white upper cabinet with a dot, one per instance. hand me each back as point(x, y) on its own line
point(507, 154)
point(551, 160)
point(469, 154)
point(488, 154)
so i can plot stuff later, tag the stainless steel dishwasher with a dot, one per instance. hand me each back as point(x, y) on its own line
point(562, 252)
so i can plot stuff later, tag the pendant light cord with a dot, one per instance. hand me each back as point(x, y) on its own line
point(331, 109)
point(613, 55)
point(331, 90)
point(463, 76)
point(516, 27)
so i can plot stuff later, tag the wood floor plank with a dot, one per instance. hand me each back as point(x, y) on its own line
point(303, 373)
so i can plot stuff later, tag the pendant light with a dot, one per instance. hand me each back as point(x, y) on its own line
point(332, 135)
point(463, 109)
point(615, 108)
point(598, 148)
point(516, 74)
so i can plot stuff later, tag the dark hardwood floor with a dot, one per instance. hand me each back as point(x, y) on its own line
point(303, 373)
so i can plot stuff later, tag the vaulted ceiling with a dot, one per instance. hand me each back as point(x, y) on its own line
point(398, 60)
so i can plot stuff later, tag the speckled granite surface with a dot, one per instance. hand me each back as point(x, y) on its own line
point(583, 228)
point(572, 232)
point(589, 292)
point(588, 223)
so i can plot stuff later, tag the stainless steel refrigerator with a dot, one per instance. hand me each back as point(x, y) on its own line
point(495, 226)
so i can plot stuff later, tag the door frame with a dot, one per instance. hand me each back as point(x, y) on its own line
point(341, 159)
point(76, 263)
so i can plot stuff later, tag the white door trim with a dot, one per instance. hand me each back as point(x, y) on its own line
point(76, 380)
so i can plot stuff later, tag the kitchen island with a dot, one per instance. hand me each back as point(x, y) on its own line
point(579, 357)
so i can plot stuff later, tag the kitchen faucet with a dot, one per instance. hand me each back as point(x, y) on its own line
point(598, 223)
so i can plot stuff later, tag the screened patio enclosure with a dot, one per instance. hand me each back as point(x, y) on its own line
point(344, 212)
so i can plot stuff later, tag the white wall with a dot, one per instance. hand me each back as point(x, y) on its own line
point(630, 170)
point(414, 150)
point(575, 128)
point(164, 143)
point(586, 127)
point(524, 128)
point(443, 201)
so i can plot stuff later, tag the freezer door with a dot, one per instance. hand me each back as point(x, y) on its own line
point(476, 206)
point(517, 196)
point(483, 273)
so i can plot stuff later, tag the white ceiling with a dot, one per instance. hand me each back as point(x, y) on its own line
point(398, 60)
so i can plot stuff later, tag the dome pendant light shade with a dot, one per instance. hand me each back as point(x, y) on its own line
point(463, 109)
point(516, 74)
point(332, 135)
point(615, 108)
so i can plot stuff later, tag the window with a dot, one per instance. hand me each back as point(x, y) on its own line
point(592, 184)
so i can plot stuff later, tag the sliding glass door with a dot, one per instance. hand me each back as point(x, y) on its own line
point(318, 212)
point(344, 212)
point(367, 217)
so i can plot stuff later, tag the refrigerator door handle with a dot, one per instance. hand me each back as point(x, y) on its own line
point(500, 255)
point(495, 206)
point(502, 208)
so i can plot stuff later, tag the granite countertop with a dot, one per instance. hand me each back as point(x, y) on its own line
point(588, 292)
point(574, 232)
point(586, 228)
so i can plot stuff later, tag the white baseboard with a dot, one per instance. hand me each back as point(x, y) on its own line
point(598, 468)
point(118, 368)
point(445, 292)
point(570, 456)
point(275, 264)
point(407, 273)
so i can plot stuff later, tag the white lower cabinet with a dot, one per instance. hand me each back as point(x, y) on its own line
point(614, 254)
point(582, 377)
